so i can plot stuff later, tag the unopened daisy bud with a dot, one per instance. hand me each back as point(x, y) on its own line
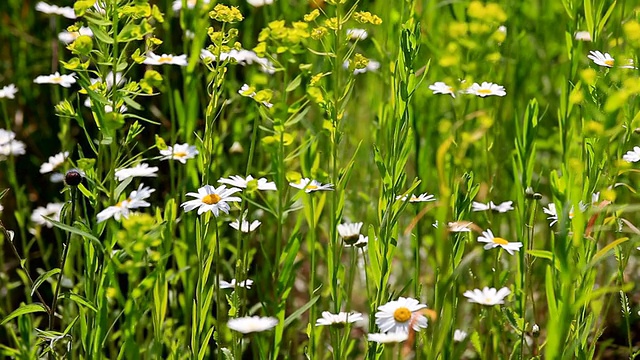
point(535, 330)
point(73, 177)
point(236, 148)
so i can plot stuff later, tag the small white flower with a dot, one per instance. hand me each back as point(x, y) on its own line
point(177, 4)
point(442, 88)
point(211, 199)
point(501, 208)
point(122, 209)
point(349, 231)
point(398, 315)
point(535, 329)
point(12, 148)
point(494, 242)
point(357, 34)
point(247, 91)
point(109, 80)
point(258, 3)
point(180, 152)
point(239, 181)
point(252, 324)
point(424, 197)
point(601, 59)
point(140, 170)
point(459, 226)
point(8, 92)
point(339, 320)
point(372, 65)
point(632, 155)
point(487, 296)
point(54, 162)
point(486, 89)
point(582, 36)
point(52, 211)
point(388, 338)
point(236, 148)
point(360, 243)
point(246, 227)
point(232, 285)
point(552, 212)
point(311, 185)
point(168, 59)
point(56, 78)
point(55, 10)
point(68, 37)
point(502, 29)
point(459, 335)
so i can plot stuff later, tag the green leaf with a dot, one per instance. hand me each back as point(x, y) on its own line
point(74, 230)
point(42, 278)
point(24, 309)
point(541, 254)
point(78, 300)
point(294, 84)
point(296, 314)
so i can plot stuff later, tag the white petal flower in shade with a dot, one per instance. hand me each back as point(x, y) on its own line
point(109, 80)
point(601, 59)
point(424, 197)
point(55, 10)
point(632, 155)
point(140, 170)
point(177, 4)
point(349, 232)
point(54, 162)
point(246, 226)
point(500, 208)
point(552, 212)
point(388, 338)
point(165, 59)
point(239, 181)
point(8, 92)
point(357, 34)
point(398, 315)
point(258, 3)
point(459, 335)
point(211, 199)
point(137, 199)
point(487, 296)
point(180, 152)
point(339, 320)
point(232, 285)
point(68, 37)
point(460, 226)
point(251, 324)
point(12, 148)
point(582, 36)
point(56, 78)
point(494, 242)
point(486, 89)
point(442, 88)
point(52, 211)
point(311, 185)
point(361, 242)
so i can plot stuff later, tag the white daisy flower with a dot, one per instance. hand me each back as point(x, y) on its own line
point(180, 152)
point(239, 181)
point(232, 285)
point(245, 90)
point(56, 78)
point(442, 88)
point(493, 242)
point(165, 59)
point(424, 197)
point(54, 162)
point(246, 227)
point(56, 10)
point(52, 211)
point(338, 320)
point(487, 296)
point(311, 185)
point(552, 212)
point(398, 315)
point(252, 324)
point(501, 208)
point(177, 4)
point(109, 80)
point(357, 34)
point(8, 92)
point(258, 3)
point(388, 338)
point(349, 232)
point(601, 59)
point(486, 89)
point(211, 199)
point(68, 37)
point(360, 243)
point(632, 155)
point(459, 335)
point(140, 170)
point(122, 209)
point(11, 148)
point(582, 36)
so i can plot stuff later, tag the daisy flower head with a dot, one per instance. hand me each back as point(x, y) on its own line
point(338, 320)
point(137, 199)
point(632, 156)
point(424, 197)
point(211, 199)
point(249, 182)
point(246, 227)
point(250, 324)
point(140, 170)
point(68, 37)
point(180, 152)
point(8, 92)
point(487, 296)
point(9, 146)
point(459, 335)
point(66, 11)
point(552, 212)
point(494, 242)
point(388, 338)
point(349, 232)
point(54, 162)
point(500, 208)
point(357, 34)
point(601, 59)
point(232, 285)
point(177, 4)
point(56, 78)
point(52, 211)
point(486, 89)
point(398, 315)
point(442, 88)
point(165, 59)
point(582, 36)
point(361, 242)
point(258, 3)
point(311, 185)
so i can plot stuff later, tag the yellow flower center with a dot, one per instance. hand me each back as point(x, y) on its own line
point(413, 198)
point(500, 241)
point(211, 199)
point(56, 79)
point(312, 187)
point(180, 154)
point(609, 62)
point(402, 314)
point(165, 59)
point(450, 89)
point(484, 91)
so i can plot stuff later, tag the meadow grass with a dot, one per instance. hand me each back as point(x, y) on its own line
point(319, 179)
